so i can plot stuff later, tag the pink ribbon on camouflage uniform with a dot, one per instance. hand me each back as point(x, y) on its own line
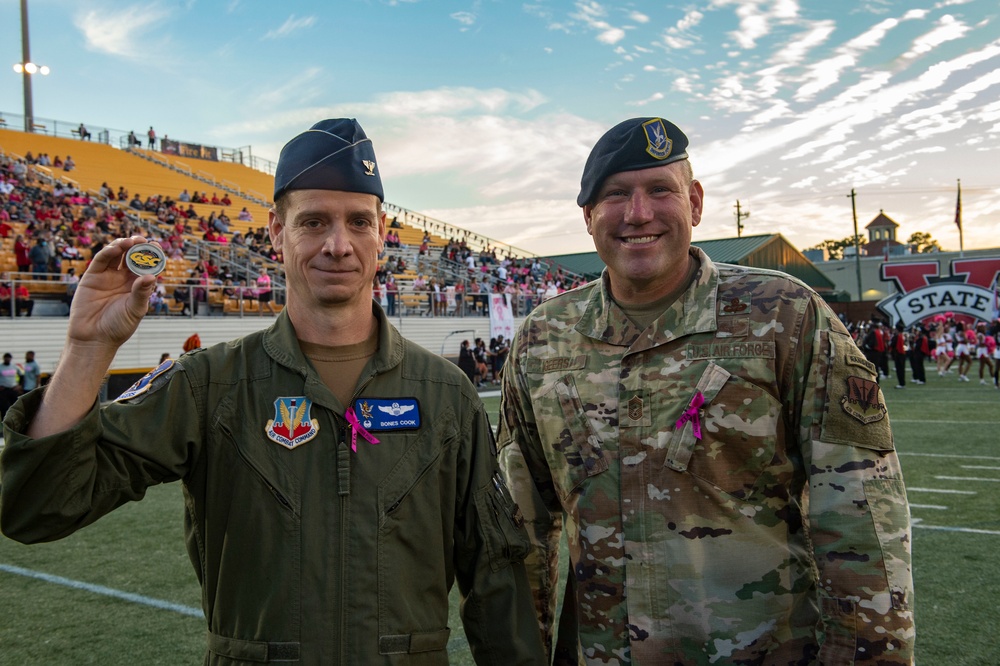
point(356, 428)
point(691, 414)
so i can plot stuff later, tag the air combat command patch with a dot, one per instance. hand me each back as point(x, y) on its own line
point(291, 425)
point(862, 400)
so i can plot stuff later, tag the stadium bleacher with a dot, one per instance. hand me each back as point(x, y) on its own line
point(146, 173)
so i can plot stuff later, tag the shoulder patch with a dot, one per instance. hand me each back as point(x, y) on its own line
point(145, 384)
point(862, 400)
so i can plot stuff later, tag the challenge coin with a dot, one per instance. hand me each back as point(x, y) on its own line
point(146, 259)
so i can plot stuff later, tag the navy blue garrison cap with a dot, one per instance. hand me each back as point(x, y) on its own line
point(638, 143)
point(333, 154)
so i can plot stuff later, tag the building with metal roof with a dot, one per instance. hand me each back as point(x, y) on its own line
point(772, 251)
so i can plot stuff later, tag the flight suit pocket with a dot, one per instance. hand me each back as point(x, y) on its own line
point(502, 524)
point(738, 424)
point(887, 503)
point(412, 520)
point(571, 446)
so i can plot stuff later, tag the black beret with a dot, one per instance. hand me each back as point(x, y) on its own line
point(333, 154)
point(638, 143)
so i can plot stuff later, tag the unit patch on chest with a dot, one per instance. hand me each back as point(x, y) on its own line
point(292, 425)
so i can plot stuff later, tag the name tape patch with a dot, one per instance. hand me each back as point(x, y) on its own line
point(764, 349)
point(376, 414)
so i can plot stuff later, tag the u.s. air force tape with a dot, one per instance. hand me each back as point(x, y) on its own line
point(146, 259)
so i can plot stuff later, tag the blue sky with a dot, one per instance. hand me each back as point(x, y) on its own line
point(482, 112)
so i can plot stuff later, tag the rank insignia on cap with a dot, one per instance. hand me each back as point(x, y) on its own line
point(144, 384)
point(369, 167)
point(862, 400)
point(291, 425)
point(658, 145)
point(378, 414)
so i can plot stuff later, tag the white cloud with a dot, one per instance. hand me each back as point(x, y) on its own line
point(679, 36)
point(948, 29)
point(459, 100)
point(690, 20)
point(655, 97)
point(120, 33)
point(465, 18)
point(544, 226)
point(593, 15)
point(298, 87)
point(611, 36)
point(291, 25)
point(638, 17)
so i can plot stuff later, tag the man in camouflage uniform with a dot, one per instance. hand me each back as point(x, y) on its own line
point(717, 444)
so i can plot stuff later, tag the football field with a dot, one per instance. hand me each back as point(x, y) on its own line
point(123, 591)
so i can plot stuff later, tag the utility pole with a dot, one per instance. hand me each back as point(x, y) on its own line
point(740, 216)
point(857, 245)
point(29, 113)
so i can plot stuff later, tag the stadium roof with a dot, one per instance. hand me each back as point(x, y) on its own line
point(772, 251)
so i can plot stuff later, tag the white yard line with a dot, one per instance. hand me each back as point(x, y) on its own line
point(106, 591)
point(964, 422)
point(966, 478)
point(947, 455)
point(966, 530)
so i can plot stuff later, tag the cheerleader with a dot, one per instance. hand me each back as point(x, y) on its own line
point(944, 350)
point(983, 352)
point(965, 345)
point(993, 343)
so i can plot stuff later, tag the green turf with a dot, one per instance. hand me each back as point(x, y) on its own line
point(943, 429)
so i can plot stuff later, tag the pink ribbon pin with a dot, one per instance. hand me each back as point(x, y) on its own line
point(691, 414)
point(356, 428)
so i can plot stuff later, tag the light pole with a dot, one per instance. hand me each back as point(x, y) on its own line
point(26, 68)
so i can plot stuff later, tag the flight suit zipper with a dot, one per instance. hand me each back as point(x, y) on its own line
point(344, 491)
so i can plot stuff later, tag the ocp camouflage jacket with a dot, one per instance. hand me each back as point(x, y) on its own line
point(728, 477)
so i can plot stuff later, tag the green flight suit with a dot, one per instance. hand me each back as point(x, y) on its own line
point(310, 553)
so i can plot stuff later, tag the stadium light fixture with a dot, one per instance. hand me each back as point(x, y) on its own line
point(31, 68)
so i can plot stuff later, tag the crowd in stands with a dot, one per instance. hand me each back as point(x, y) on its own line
point(52, 224)
point(62, 223)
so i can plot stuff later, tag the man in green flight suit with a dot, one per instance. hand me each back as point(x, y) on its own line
point(717, 444)
point(338, 478)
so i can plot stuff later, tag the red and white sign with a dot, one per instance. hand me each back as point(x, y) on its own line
point(923, 292)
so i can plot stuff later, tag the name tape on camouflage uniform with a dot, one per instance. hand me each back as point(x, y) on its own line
point(730, 350)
